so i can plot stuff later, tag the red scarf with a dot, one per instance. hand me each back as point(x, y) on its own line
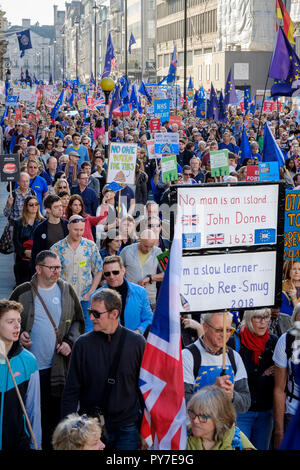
point(255, 343)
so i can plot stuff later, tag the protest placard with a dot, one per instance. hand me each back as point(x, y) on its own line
point(162, 109)
point(252, 173)
point(230, 281)
point(219, 163)
point(121, 163)
point(175, 120)
point(229, 216)
point(292, 226)
point(154, 125)
point(166, 143)
point(269, 171)
point(169, 168)
point(151, 149)
point(9, 167)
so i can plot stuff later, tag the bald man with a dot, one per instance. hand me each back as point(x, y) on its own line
point(142, 267)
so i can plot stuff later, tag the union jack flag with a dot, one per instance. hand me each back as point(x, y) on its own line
point(190, 219)
point(161, 374)
point(215, 239)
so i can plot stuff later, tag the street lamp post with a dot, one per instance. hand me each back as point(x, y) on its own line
point(76, 59)
point(43, 64)
point(63, 54)
point(185, 54)
point(49, 60)
point(107, 84)
point(126, 54)
point(54, 58)
point(95, 8)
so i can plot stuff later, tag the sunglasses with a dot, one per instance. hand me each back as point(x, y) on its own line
point(31, 204)
point(109, 273)
point(75, 221)
point(95, 313)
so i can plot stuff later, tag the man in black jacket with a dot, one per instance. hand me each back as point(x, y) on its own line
point(51, 230)
point(92, 357)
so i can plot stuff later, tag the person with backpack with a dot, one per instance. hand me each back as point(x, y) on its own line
point(286, 390)
point(256, 345)
point(202, 363)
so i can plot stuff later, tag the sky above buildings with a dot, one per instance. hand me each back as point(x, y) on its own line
point(36, 10)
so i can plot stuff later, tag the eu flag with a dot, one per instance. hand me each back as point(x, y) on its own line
point(222, 112)
point(196, 97)
point(271, 151)
point(173, 66)
point(213, 105)
point(24, 41)
point(58, 104)
point(110, 55)
point(143, 91)
point(230, 96)
point(285, 66)
point(247, 99)
point(131, 42)
point(200, 110)
point(245, 149)
point(133, 98)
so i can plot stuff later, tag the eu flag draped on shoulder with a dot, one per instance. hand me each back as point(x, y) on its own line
point(58, 104)
point(284, 68)
point(230, 96)
point(109, 56)
point(171, 77)
point(271, 151)
point(161, 374)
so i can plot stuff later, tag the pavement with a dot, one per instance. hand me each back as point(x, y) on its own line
point(7, 278)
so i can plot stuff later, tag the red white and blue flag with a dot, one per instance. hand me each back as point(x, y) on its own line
point(161, 374)
point(190, 219)
point(215, 239)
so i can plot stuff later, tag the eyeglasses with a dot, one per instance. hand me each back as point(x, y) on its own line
point(187, 174)
point(109, 273)
point(95, 313)
point(62, 187)
point(201, 418)
point(261, 318)
point(31, 204)
point(52, 268)
point(32, 167)
point(229, 331)
point(153, 226)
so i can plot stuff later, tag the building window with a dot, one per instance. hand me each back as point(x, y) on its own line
point(189, 58)
point(207, 72)
point(217, 72)
point(166, 60)
point(200, 73)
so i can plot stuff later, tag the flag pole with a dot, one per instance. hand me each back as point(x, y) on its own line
point(3, 353)
point(224, 345)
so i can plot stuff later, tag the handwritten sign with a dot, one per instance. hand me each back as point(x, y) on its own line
point(229, 281)
point(219, 163)
point(228, 216)
point(121, 164)
point(169, 168)
point(292, 226)
point(166, 143)
point(154, 125)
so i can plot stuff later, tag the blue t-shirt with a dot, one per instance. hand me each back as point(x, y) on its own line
point(83, 152)
point(42, 335)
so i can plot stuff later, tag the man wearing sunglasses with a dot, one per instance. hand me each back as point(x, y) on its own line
point(202, 363)
point(39, 337)
point(91, 365)
point(136, 313)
